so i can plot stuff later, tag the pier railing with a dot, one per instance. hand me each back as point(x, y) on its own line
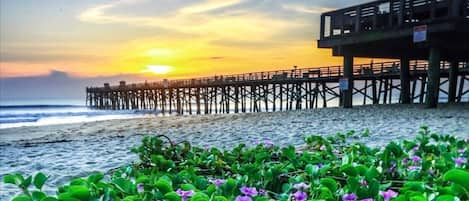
point(326, 73)
point(390, 14)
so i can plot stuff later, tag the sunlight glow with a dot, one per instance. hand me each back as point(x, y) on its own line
point(158, 69)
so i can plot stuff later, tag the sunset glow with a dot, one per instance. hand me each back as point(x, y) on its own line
point(158, 69)
point(194, 38)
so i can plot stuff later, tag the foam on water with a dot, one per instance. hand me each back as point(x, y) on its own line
point(38, 115)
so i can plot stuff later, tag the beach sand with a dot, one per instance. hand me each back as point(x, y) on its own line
point(73, 150)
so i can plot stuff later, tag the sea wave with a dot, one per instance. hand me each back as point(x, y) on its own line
point(36, 115)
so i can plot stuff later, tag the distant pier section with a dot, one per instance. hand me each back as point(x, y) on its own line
point(433, 30)
point(292, 89)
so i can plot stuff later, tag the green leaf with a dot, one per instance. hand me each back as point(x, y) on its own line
point(26, 182)
point(445, 198)
point(414, 186)
point(38, 195)
point(39, 180)
point(9, 179)
point(49, 199)
point(329, 183)
point(95, 178)
point(458, 176)
point(21, 198)
point(67, 197)
point(372, 173)
point(80, 192)
point(200, 197)
point(349, 170)
point(229, 187)
point(125, 186)
point(187, 187)
point(417, 198)
point(172, 196)
point(163, 186)
point(220, 198)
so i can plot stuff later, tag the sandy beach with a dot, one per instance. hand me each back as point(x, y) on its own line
point(73, 150)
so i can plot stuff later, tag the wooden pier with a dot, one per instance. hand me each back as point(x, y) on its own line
point(432, 30)
point(293, 89)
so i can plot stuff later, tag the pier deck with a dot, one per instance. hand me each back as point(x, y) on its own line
point(292, 89)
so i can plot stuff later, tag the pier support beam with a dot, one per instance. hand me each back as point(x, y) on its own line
point(405, 81)
point(348, 74)
point(433, 86)
point(452, 81)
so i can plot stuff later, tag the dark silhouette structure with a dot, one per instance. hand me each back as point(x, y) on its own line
point(292, 89)
point(432, 30)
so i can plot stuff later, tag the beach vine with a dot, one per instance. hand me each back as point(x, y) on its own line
point(334, 168)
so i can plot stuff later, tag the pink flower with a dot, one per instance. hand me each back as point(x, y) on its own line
point(387, 195)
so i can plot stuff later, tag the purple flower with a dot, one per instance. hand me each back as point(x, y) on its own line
point(363, 183)
point(416, 159)
point(300, 196)
point(405, 161)
point(349, 197)
point(243, 198)
point(387, 195)
point(392, 168)
point(368, 199)
point(185, 194)
point(249, 191)
point(218, 182)
point(415, 148)
point(461, 151)
point(320, 165)
point(460, 161)
point(268, 143)
point(414, 168)
point(299, 152)
point(140, 188)
point(301, 185)
point(466, 140)
point(262, 192)
point(322, 148)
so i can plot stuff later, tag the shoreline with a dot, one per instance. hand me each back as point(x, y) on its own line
point(57, 133)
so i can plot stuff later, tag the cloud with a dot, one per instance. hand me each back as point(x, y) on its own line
point(197, 20)
point(209, 5)
point(306, 9)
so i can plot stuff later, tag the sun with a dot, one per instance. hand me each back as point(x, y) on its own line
point(158, 69)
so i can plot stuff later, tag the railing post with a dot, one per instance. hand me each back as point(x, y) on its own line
point(323, 21)
point(358, 16)
point(400, 18)
point(455, 6)
point(391, 12)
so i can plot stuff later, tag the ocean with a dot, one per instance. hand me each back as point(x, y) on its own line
point(39, 112)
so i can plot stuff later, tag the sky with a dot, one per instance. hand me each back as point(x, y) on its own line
point(158, 39)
